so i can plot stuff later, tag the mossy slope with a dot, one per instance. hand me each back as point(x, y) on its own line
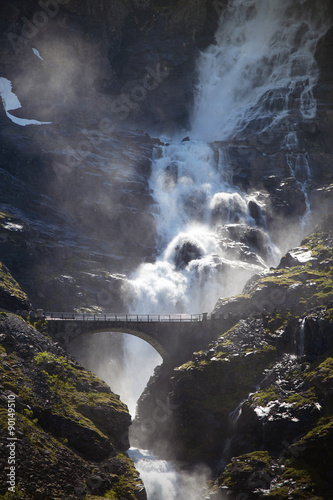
point(72, 430)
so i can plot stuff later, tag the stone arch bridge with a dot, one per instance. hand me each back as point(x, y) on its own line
point(175, 337)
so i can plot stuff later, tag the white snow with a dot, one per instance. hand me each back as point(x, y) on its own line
point(301, 255)
point(11, 102)
point(10, 226)
point(36, 52)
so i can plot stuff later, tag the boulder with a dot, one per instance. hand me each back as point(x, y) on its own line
point(186, 252)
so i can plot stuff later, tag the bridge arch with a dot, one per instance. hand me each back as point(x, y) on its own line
point(131, 331)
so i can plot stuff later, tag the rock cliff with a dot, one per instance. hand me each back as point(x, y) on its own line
point(70, 430)
point(91, 69)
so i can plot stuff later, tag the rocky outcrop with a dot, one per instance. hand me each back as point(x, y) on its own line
point(12, 298)
point(71, 430)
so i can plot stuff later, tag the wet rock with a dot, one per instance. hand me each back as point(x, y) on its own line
point(296, 257)
point(288, 199)
point(185, 253)
point(228, 208)
point(244, 243)
point(171, 176)
point(255, 212)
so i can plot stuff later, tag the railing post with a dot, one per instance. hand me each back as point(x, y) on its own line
point(204, 316)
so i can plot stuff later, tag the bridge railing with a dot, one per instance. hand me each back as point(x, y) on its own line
point(123, 317)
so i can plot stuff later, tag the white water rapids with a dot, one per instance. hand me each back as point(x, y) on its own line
point(258, 75)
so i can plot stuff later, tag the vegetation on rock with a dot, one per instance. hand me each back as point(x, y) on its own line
point(72, 430)
point(12, 297)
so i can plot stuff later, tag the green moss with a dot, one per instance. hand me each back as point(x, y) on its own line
point(18, 495)
point(321, 374)
point(11, 375)
point(321, 432)
point(300, 482)
point(300, 399)
point(238, 473)
point(127, 483)
point(264, 396)
point(10, 285)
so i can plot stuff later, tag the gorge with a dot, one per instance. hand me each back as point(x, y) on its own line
point(166, 155)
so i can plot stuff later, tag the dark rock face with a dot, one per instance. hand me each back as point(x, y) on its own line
point(53, 225)
point(72, 430)
point(186, 252)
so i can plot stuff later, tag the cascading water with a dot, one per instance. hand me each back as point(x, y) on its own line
point(257, 78)
point(261, 71)
point(191, 272)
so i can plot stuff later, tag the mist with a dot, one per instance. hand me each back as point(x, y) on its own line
point(124, 362)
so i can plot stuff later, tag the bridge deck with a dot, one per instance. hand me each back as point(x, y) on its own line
point(135, 318)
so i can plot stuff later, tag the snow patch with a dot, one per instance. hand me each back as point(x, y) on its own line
point(36, 52)
point(13, 227)
point(11, 102)
point(301, 254)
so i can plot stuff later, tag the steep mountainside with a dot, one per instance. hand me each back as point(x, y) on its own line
point(70, 430)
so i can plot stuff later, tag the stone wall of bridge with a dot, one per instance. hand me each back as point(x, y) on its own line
point(174, 341)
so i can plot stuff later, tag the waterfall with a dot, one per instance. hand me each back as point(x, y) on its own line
point(258, 76)
point(233, 418)
point(301, 339)
point(163, 482)
point(261, 71)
